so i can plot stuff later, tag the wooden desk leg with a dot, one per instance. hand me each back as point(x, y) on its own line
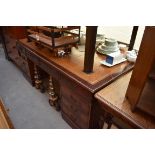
point(37, 79)
point(107, 118)
point(53, 98)
point(109, 121)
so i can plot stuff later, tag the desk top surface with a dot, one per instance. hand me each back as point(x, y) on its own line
point(73, 66)
point(113, 99)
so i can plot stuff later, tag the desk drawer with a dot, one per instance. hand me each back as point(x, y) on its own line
point(76, 99)
point(75, 107)
point(75, 113)
point(49, 69)
point(32, 57)
point(25, 68)
point(75, 88)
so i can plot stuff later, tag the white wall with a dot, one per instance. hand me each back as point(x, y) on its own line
point(121, 33)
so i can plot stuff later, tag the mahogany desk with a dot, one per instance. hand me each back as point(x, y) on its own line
point(77, 89)
point(112, 100)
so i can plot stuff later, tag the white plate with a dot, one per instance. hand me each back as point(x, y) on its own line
point(102, 51)
point(103, 62)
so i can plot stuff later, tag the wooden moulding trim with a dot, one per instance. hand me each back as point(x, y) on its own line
point(117, 112)
point(74, 34)
point(44, 28)
point(92, 88)
point(6, 115)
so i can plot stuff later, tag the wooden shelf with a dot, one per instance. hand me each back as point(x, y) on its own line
point(47, 36)
point(59, 42)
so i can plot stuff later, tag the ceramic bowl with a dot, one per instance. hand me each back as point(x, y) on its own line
point(111, 42)
point(131, 56)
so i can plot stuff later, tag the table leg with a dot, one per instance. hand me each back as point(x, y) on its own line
point(37, 79)
point(107, 118)
point(109, 121)
point(53, 98)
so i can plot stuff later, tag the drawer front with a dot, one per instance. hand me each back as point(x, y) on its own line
point(24, 63)
point(75, 88)
point(32, 57)
point(74, 113)
point(21, 51)
point(75, 107)
point(49, 69)
point(76, 99)
point(43, 65)
point(11, 46)
point(25, 68)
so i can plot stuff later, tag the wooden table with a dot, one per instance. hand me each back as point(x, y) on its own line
point(5, 122)
point(112, 100)
point(77, 88)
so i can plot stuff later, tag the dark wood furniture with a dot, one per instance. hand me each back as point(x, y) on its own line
point(141, 88)
point(2, 41)
point(114, 104)
point(133, 37)
point(10, 34)
point(70, 85)
point(77, 89)
point(5, 122)
point(90, 48)
point(61, 42)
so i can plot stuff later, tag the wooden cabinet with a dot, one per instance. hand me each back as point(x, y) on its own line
point(10, 35)
point(75, 102)
point(26, 65)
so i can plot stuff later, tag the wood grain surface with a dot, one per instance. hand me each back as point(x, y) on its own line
point(5, 122)
point(72, 65)
point(59, 42)
point(112, 99)
point(143, 66)
point(77, 88)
